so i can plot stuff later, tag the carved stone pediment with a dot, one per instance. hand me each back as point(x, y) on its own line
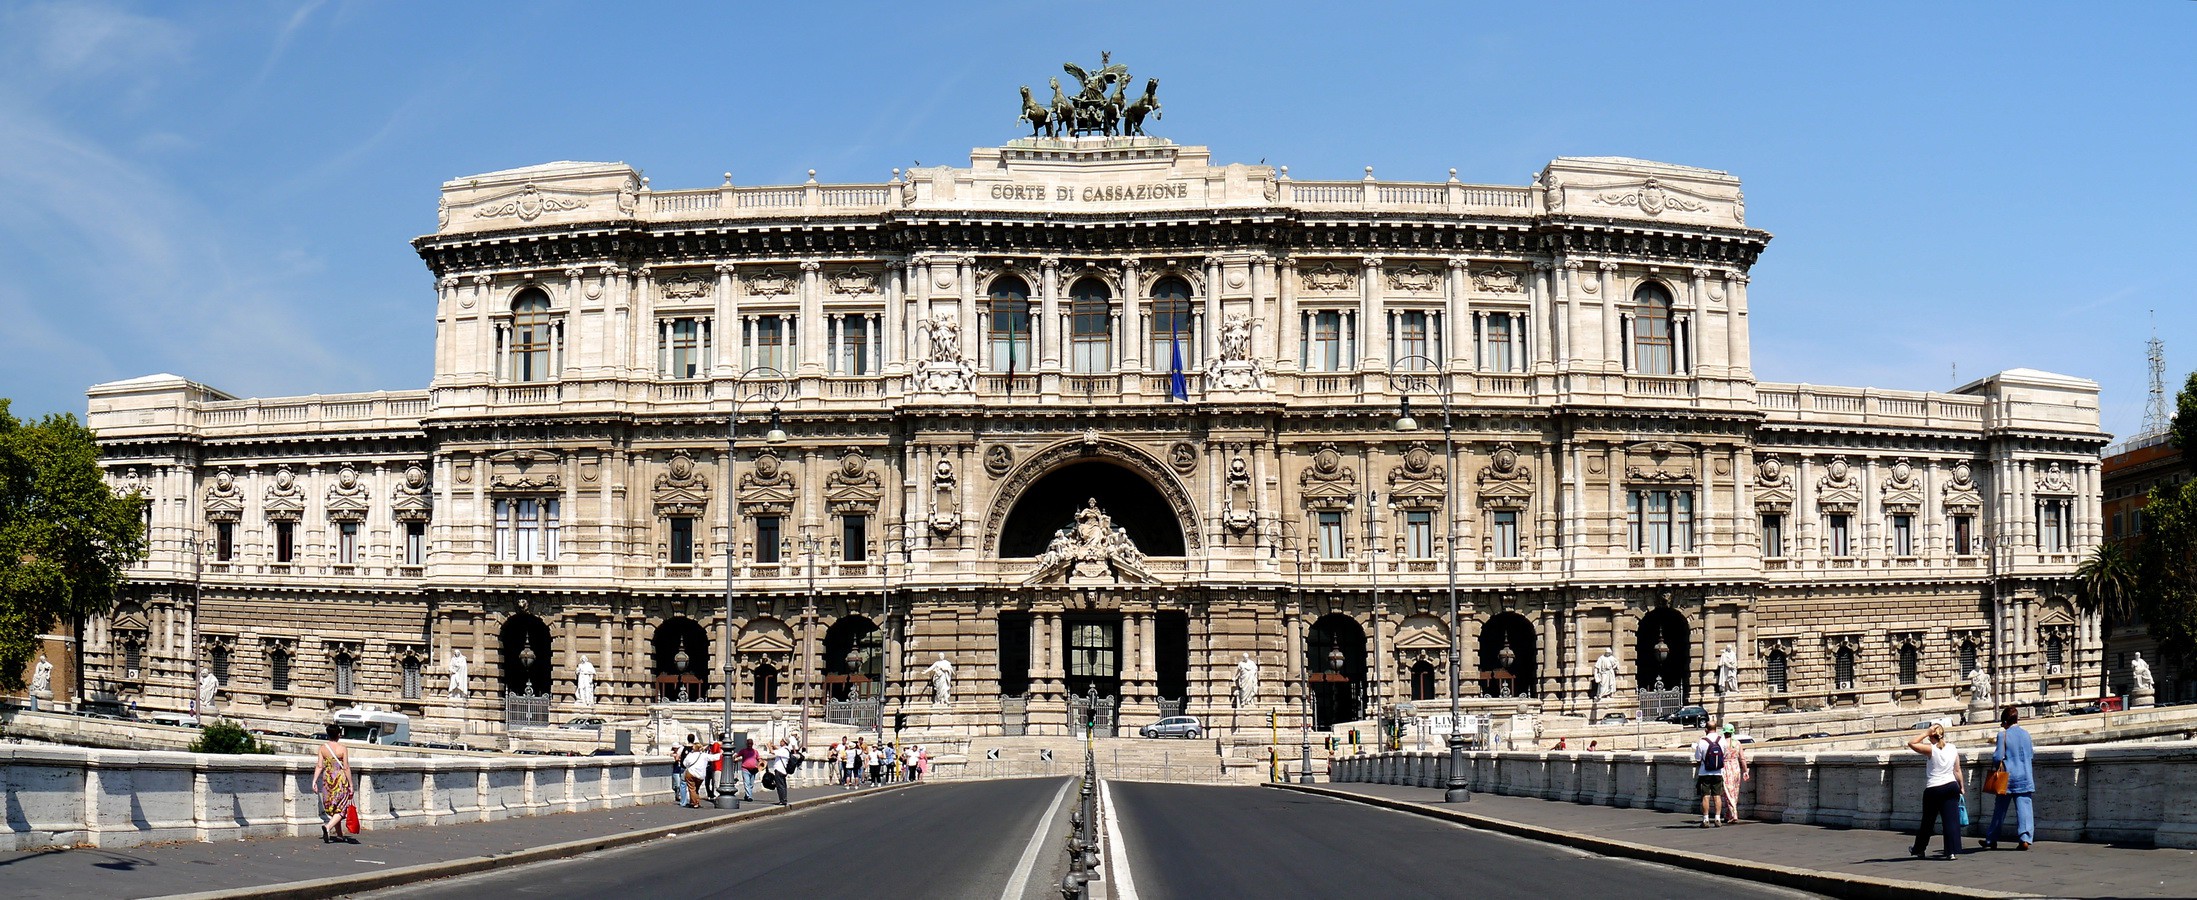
point(680, 490)
point(1328, 278)
point(1902, 488)
point(1504, 482)
point(412, 501)
point(224, 500)
point(2055, 480)
point(1838, 491)
point(1960, 491)
point(1419, 483)
point(852, 488)
point(767, 488)
point(1773, 485)
point(1660, 462)
point(528, 471)
point(285, 499)
point(1327, 483)
point(347, 500)
point(1421, 632)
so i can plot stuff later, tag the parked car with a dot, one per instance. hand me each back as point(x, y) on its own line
point(1175, 726)
point(180, 720)
point(1816, 735)
point(585, 723)
point(1694, 716)
point(1613, 718)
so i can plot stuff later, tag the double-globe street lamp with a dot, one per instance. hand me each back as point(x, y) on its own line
point(1417, 374)
point(762, 384)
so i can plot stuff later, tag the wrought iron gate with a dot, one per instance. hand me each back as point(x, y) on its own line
point(526, 710)
point(1101, 717)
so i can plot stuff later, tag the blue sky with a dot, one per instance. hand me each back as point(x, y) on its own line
point(227, 191)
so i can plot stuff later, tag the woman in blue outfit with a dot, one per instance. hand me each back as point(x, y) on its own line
point(2017, 755)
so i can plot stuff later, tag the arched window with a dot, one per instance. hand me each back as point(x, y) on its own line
point(1842, 668)
point(1090, 326)
point(1009, 337)
point(1968, 657)
point(530, 339)
point(1775, 670)
point(217, 657)
point(1422, 680)
point(411, 684)
point(1653, 346)
point(278, 670)
point(1910, 664)
point(346, 674)
point(1174, 328)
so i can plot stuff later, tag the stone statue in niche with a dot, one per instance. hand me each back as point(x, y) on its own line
point(945, 498)
point(459, 688)
point(1234, 369)
point(1727, 672)
point(1246, 690)
point(1605, 673)
point(944, 370)
point(941, 674)
point(583, 691)
point(1239, 513)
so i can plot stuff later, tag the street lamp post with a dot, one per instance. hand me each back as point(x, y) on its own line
point(768, 386)
point(1413, 378)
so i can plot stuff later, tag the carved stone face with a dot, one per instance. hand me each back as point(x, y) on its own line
point(1506, 459)
point(1838, 468)
point(1772, 469)
point(347, 478)
point(1902, 471)
point(682, 467)
point(415, 477)
point(766, 467)
point(1960, 472)
point(850, 465)
point(223, 481)
point(945, 470)
point(284, 480)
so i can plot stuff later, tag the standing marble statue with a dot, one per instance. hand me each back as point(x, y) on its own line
point(458, 688)
point(207, 687)
point(1727, 672)
point(584, 689)
point(1605, 673)
point(1979, 688)
point(42, 677)
point(1247, 682)
point(942, 681)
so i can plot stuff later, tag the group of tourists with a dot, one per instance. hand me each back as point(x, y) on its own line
point(2012, 782)
point(698, 769)
point(860, 762)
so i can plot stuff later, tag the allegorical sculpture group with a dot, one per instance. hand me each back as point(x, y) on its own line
point(1100, 105)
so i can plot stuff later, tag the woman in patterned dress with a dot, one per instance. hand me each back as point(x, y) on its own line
point(332, 781)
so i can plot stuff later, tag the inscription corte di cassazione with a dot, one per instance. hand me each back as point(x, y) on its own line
point(1097, 193)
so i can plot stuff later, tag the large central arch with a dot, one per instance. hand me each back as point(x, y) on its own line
point(1151, 502)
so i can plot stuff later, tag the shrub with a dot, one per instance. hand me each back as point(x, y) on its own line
point(227, 737)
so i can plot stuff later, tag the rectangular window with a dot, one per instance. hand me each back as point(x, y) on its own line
point(278, 672)
point(133, 657)
point(1774, 672)
point(1506, 533)
point(854, 538)
point(1091, 650)
point(224, 541)
point(1331, 535)
point(1903, 535)
point(766, 539)
point(218, 658)
point(1964, 535)
point(1842, 669)
point(1660, 521)
point(526, 530)
point(1173, 329)
point(683, 344)
point(2136, 521)
point(682, 541)
point(768, 340)
point(1841, 535)
point(2052, 526)
point(411, 687)
point(1010, 339)
point(347, 543)
point(1328, 342)
point(854, 345)
point(1090, 336)
point(1419, 534)
point(1773, 536)
point(1910, 664)
point(344, 674)
point(415, 543)
point(1414, 337)
point(1497, 334)
point(285, 541)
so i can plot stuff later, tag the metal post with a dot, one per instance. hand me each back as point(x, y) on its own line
point(732, 525)
point(1458, 787)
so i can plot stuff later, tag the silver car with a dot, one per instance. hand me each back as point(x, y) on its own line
point(1175, 726)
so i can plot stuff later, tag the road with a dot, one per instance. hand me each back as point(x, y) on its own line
point(1187, 841)
point(952, 841)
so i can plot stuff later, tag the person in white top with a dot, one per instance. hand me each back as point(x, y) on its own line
point(1941, 792)
point(778, 768)
point(1709, 756)
point(699, 760)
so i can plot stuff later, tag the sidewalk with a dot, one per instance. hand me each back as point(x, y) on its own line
point(2047, 869)
point(96, 874)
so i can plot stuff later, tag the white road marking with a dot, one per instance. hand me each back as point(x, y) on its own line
point(1021, 882)
point(1117, 853)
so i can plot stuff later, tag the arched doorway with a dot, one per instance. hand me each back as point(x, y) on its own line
point(1664, 651)
point(863, 677)
point(1338, 692)
point(681, 660)
point(527, 654)
point(1051, 503)
point(766, 683)
point(1508, 663)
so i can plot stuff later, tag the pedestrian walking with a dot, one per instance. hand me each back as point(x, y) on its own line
point(699, 760)
point(780, 769)
point(332, 780)
point(923, 763)
point(751, 766)
point(1941, 792)
point(1735, 771)
point(851, 765)
point(679, 774)
point(879, 759)
point(1709, 775)
point(716, 774)
point(2016, 756)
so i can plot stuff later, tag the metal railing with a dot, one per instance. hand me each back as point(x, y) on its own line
point(1083, 834)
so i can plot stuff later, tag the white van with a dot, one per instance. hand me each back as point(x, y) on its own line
point(374, 726)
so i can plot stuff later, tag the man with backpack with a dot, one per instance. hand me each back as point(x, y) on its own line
point(1709, 775)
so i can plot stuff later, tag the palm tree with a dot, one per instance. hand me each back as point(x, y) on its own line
point(2108, 578)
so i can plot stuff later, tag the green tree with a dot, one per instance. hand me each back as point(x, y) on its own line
point(2107, 578)
point(2166, 561)
point(65, 538)
point(227, 737)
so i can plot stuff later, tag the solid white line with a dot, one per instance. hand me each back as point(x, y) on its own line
point(1117, 853)
point(1021, 882)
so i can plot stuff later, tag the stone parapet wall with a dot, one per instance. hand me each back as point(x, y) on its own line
point(63, 796)
point(2140, 794)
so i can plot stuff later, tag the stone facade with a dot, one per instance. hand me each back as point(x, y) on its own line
point(1096, 414)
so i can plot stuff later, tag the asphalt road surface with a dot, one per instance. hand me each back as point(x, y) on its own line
point(947, 840)
point(1187, 841)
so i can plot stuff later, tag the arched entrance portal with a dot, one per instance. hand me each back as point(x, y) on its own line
point(1050, 504)
point(1664, 651)
point(524, 641)
point(1508, 664)
point(863, 677)
point(1338, 691)
point(766, 683)
point(681, 660)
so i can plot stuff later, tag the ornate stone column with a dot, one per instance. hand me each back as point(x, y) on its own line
point(727, 331)
point(1373, 300)
point(813, 327)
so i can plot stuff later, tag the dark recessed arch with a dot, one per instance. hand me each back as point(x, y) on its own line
point(1051, 502)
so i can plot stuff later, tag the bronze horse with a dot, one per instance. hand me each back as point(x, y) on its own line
point(1149, 104)
point(1039, 118)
